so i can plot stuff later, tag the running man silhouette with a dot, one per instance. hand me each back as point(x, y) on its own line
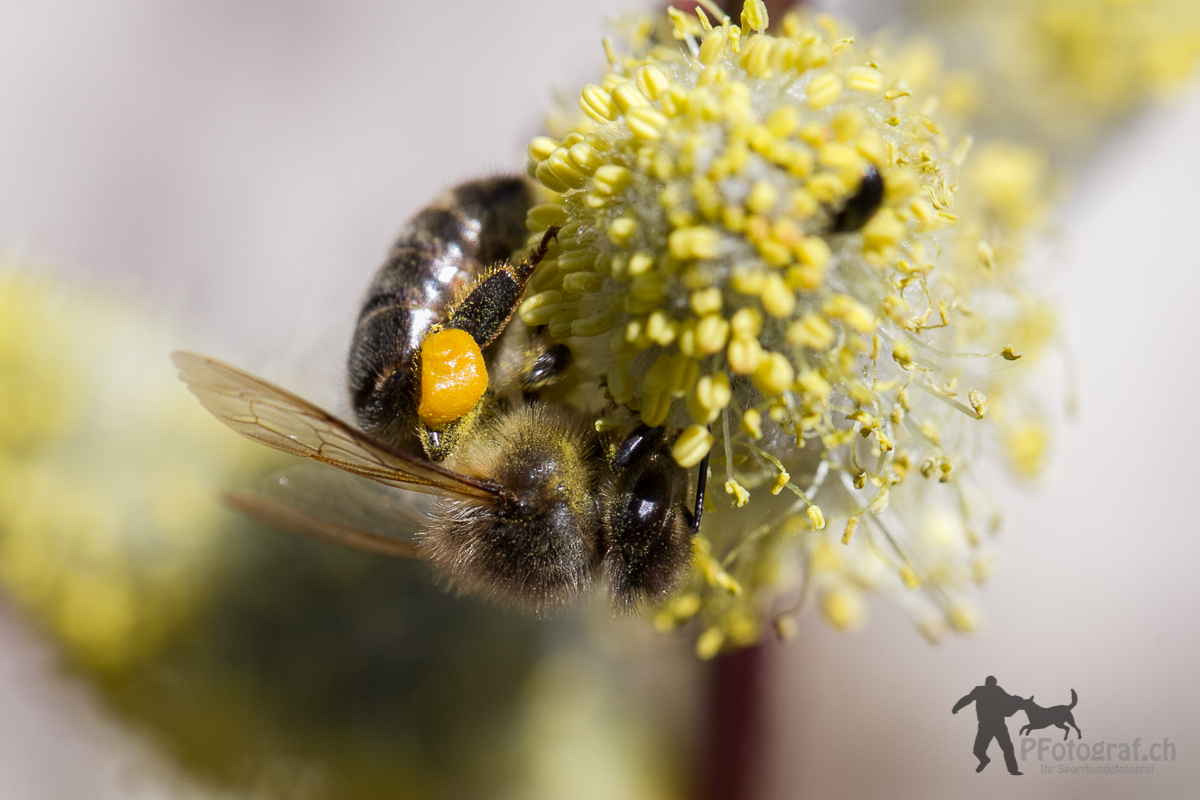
point(992, 705)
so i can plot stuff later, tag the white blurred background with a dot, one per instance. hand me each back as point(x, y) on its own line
point(242, 166)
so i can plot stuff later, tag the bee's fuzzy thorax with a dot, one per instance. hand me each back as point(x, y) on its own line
point(540, 553)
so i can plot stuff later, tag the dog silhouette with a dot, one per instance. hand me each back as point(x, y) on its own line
point(1059, 716)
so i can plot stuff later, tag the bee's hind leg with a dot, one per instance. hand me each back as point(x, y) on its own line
point(489, 303)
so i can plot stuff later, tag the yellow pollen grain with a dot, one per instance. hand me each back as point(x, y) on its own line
point(884, 230)
point(674, 100)
point(684, 371)
point(646, 123)
point(847, 123)
point(814, 250)
point(713, 392)
point(597, 103)
point(594, 325)
point(814, 55)
point(762, 197)
point(711, 333)
point(621, 230)
point(560, 324)
point(640, 263)
point(851, 527)
point(620, 382)
point(702, 104)
point(840, 157)
point(651, 80)
point(660, 329)
point(865, 79)
point(824, 90)
point(754, 16)
point(978, 401)
point(758, 228)
point(541, 217)
point(756, 57)
point(545, 176)
point(774, 253)
point(804, 277)
point(829, 187)
point(710, 643)
point(611, 179)
point(697, 242)
point(564, 170)
point(585, 158)
point(842, 608)
point(706, 301)
point(812, 331)
point(714, 45)
point(740, 496)
point(575, 260)
point(540, 148)
point(774, 374)
point(648, 286)
point(655, 406)
point(582, 282)
point(816, 518)
point(783, 121)
point(744, 355)
point(708, 197)
point(751, 423)
point(747, 282)
point(611, 81)
point(872, 147)
point(786, 54)
point(786, 232)
point(664, 166)
point(803, 204)
point(777, 299)
point(538, 309)
point(851, 312)
point(626, 96)
point(746, 323)
point(814, 385)
point(692, 446)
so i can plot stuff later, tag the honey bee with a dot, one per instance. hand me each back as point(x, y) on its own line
point(532, 503)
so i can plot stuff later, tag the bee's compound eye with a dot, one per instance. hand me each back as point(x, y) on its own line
point(647, 542)
point(648, 505)
point(453, 377)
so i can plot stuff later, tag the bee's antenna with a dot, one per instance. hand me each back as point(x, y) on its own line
point(701, 485)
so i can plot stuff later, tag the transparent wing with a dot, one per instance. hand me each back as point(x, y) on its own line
point(345, 498)
point(337, 507)
point(281, 515)
point(261, 411)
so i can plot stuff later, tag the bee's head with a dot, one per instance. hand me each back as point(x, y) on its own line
point(647, 543)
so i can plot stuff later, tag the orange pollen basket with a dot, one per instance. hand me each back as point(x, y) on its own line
point(453, 377)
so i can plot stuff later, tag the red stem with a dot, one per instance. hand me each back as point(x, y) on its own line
point(733, 748)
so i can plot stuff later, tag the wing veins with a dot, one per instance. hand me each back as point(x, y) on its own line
point(287, 422)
